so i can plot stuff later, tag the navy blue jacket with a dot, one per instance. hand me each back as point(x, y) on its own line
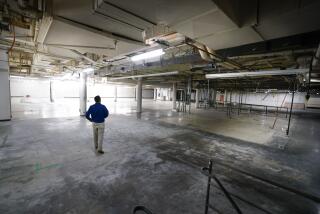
point(97, 113)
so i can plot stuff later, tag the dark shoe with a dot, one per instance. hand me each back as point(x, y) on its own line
point(101, 152)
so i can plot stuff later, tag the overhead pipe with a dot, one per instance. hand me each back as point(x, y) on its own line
point(210, 55)
point(83, 56)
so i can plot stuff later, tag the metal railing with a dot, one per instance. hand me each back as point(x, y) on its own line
point(141, 208)
point(239, 108)
point(209, 173)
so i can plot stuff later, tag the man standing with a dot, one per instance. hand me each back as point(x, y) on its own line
point(97, 114)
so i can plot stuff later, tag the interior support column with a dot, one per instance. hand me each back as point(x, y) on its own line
point(174, 96)
point(83, 93)
point(214, 97)
point(51, 92)
point(115, 93)
point(154, 94)
point(225, 98)
point(135, 93)
point(139, 95)
point(197, 98)
point(5, 101)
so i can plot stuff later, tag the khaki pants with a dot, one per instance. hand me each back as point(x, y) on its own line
point(98, 131)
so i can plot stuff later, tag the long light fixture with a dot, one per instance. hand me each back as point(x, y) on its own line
point(23, 77)
point(146, 75)
point(256, 74)
point(148, 55)
point(315, 80)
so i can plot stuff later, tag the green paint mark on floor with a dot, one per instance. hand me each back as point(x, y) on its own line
point(38, 166)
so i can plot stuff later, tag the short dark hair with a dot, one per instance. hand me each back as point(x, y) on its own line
point(97, 99)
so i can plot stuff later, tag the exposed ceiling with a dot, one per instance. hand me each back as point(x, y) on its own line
point(65, 36)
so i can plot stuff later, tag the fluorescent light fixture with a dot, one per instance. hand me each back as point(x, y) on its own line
point(148, 55)
point(16, 77)
point(24, 77)
point(315, 80)
point(146, 75)
point(31, 78)
point(88, 70)
point(256, 74)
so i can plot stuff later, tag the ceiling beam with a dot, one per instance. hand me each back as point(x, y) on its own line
point(44, 28)
point(241, 12)
point(98, 31)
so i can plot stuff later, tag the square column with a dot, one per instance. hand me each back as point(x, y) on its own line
point(5, 99)
point(115, 93)
point(197, 98)
point(225, 98)
point(169, 94)
point(154, 94)
point(139, 95)
point(51, 91)
point(174, 96)
point(83, 93)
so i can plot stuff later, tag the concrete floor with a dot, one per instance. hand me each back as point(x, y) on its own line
point(48, 164)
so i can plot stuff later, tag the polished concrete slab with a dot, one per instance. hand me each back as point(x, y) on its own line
point(48, 165)
point(209, 120)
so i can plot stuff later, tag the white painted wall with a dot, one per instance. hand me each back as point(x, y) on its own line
point(126, 92)
point(40, 89)
point(147, 93)
point(269, 99)
point(37, 88)
point(66, 89)
point(34, 88)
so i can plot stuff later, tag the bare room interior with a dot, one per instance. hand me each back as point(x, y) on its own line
point(210, 106)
